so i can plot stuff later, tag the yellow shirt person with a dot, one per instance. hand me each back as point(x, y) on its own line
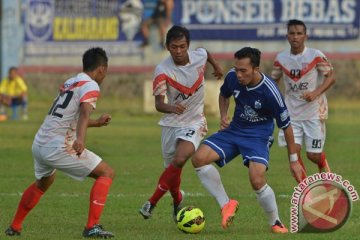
point(13, 88)
point(13, 93)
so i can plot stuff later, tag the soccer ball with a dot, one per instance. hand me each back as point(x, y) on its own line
point(190, 220)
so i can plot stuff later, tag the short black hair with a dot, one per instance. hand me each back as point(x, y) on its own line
point(93, 58)
point(295, 22)
point(13, 68)
point(248, 52)
point(177, 32)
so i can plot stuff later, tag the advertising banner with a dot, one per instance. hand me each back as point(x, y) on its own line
point(266, 19)
point(63, 27)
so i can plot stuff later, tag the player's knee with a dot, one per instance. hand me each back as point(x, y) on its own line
point(105, 170)
point(180, 159)
point(257, 183)
point(110, 173)
point(314, 157)
point(179, 162)
point(198, 160)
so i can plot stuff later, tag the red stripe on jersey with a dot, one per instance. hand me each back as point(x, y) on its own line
point(75, 85)
point(89, 95)
point(324, 67)
point(163, 92)
point(178, 86)
point(160, 85)
point(304, 71)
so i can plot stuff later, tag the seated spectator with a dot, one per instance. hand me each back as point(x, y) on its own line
point(13, 93)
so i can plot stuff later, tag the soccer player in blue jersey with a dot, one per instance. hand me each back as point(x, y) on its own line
point(258, 101)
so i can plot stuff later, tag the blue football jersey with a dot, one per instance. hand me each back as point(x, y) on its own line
point(256, 107)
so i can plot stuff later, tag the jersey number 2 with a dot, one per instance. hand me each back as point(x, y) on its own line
point(190, 133)
point(56, 105)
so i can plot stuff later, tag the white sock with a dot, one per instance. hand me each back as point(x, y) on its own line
point(266, 198)
point(210, 179)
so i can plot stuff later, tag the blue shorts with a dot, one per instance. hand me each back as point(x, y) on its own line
point(16, 101)
point(228, 144)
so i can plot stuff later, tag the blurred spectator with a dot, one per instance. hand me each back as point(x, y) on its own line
point(161, 17)
point(13, 93)
point(131, 18)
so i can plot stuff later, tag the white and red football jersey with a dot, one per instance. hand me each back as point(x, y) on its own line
point(302, 73)
point(59, 126)
point(182, 85)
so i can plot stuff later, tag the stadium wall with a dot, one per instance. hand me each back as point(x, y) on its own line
point(128, 82)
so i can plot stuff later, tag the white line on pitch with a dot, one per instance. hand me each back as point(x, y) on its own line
point(124, 195)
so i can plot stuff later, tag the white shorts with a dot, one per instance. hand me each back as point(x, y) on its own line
point(48, 159)
point(312, 132)
point(193, 133)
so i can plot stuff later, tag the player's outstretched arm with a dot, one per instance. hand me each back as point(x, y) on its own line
point(218, 71)
point(295, 167)
point(103, 120)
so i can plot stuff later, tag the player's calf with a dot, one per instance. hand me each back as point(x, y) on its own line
point(323, 164)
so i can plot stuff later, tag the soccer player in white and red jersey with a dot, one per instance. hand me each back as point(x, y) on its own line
point(307, 75)
point(60, 144)
point(180, 78)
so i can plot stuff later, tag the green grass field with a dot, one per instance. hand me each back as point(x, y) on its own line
point(131, 144)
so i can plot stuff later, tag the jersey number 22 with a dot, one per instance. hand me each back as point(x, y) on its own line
point(58, 104)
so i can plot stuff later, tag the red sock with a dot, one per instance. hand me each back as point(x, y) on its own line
point(28, 201)
point(98, 196)
point(176, 194)
point(169, 179)
point(174, 185)
point(323, 163)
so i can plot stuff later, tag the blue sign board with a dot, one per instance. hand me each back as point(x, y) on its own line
point(61, 26)
point(266, 19)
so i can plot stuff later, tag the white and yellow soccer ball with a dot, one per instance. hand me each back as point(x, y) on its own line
point(190, 220)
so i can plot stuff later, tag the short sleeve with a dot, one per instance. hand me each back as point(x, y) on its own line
point(159, 82)
point(276, 72)
point(323, 64)
point(200, 52)
point(279, 109)
point(89, 93)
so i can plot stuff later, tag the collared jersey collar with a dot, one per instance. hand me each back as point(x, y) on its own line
point(299, 54)
point(257, 85)
point(84, 76)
